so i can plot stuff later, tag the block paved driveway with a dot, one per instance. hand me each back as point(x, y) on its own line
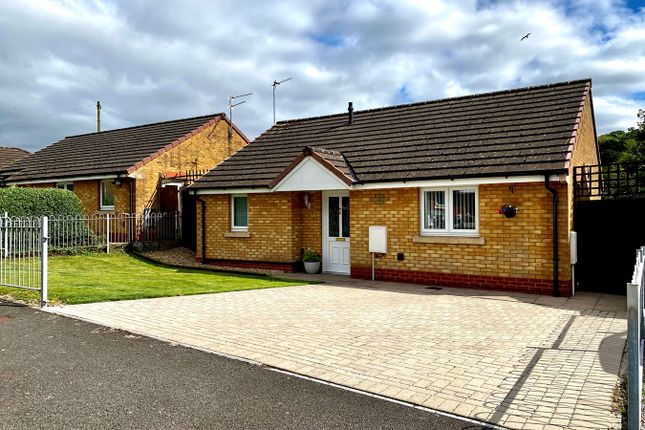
point(515, 360)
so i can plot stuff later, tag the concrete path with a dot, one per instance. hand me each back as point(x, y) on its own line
point(521, 361)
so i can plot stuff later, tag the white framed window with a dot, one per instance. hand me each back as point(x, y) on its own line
point(450, 211)
point(107, 195)
point(69, 186)
point(239, 212)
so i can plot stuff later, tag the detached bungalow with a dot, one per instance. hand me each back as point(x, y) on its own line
point(475, 191)
point(122, 170)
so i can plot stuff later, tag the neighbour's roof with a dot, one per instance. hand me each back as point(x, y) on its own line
point(504, 133)
point(10, 155)
point(109, 152)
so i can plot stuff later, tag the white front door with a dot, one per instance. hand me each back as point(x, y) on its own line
point(336, 232)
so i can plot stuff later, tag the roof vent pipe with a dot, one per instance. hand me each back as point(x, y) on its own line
point(350, 111)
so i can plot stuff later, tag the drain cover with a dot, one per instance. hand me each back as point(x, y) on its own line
point(433, 288)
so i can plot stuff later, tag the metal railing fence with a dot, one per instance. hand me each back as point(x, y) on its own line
point(99, 231)
point(635, 337)
point(23, 254)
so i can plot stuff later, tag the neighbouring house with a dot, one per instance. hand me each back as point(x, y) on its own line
point(440, 175)
point(9, 156)
point(126, 170)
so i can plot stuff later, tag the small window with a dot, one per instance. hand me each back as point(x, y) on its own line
point(239, 213)
point(69, 186)
point(107, 195)
point(450, 211)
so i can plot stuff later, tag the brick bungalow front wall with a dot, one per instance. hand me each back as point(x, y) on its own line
point(510, 253)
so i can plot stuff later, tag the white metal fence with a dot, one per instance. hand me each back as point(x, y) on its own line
point(23, 254)
point(99, 231)
point(635, 336)
point(26, 241)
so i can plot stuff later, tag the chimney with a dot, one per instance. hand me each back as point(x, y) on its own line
point(350, 111)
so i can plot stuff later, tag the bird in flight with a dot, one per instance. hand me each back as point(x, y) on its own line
point(525, 37)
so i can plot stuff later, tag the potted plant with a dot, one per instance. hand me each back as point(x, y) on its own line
point(312, 261)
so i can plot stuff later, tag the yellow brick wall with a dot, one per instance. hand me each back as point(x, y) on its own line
point(514, 247)
point(584, 152)
point(271, 229)
point(280, 226)
point(88, 193)
point(312, 223)
point(202, 151)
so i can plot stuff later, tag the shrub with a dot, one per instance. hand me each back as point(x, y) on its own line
point(68, 232)
point(18, 201)
point(310, 256)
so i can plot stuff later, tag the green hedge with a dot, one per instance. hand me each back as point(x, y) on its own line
point(39, 202)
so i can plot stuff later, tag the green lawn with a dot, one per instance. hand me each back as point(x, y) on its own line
point(119, 276)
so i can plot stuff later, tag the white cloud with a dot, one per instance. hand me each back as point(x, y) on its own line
point(146, 62)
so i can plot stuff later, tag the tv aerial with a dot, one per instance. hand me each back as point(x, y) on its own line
point(274, 85)
point(231, 103)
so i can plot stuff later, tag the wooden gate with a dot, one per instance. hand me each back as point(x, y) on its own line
point(609, 217)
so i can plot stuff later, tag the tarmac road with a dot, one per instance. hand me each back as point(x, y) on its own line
point(60, 373)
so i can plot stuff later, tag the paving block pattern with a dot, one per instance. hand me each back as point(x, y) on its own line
point(516, 360)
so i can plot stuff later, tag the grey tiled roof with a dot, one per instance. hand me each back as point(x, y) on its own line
point(513, 132)
point(107, 152)
point(9, 155)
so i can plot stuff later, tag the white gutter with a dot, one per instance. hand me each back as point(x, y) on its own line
point(54, 180)
point(404, 184)
point(454, 182)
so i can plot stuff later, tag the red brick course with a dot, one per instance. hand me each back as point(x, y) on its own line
point(523, 285)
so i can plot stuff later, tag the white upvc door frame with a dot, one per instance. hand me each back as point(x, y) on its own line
point(325, 230)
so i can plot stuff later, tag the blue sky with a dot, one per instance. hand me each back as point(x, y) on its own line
point(153, 61)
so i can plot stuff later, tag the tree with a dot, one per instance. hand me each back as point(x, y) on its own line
point(624, 146)
point(612, 145)
point(635, 148)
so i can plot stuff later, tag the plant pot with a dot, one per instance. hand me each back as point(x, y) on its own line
point(312, 267)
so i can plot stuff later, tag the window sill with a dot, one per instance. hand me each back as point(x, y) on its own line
point(455, 240)
point(237, 234)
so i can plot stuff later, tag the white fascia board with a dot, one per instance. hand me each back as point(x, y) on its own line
point(209, 191)
point(454, 182)
point(310, 175)
point(54, 180)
